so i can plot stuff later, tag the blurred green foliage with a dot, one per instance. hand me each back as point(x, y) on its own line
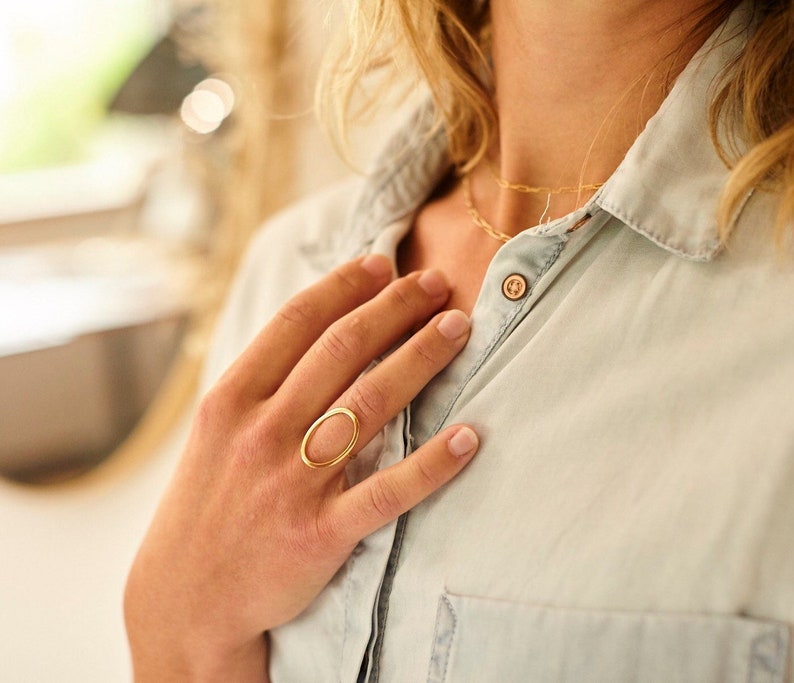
point(66, 69)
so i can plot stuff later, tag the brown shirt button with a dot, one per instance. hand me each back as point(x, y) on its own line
point(514, 287)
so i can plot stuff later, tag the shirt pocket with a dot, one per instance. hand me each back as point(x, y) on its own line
point(478, 639)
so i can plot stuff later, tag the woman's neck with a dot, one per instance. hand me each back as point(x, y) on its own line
point(576, 81)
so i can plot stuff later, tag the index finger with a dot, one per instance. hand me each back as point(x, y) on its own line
point(269, 358)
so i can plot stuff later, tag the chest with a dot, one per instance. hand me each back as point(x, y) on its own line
point(443, 237)
point(631, 507)
point(627, 512)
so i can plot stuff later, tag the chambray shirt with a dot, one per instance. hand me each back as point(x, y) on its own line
point(630, 514)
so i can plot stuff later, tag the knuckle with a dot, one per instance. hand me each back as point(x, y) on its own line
point(206, 411)
point(214, 406)
point(222, 426)
point(344, 280)
point(243, 449)
point(429, 476)
point(297, 312)
point(343, 343)
point(401, 294)
point(425, 350)
point(367, 398)
point(266, 429)
point(384, 498)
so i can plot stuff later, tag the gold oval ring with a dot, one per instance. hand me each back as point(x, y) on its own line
point(348, 449)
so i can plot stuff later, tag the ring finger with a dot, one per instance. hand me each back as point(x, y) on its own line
point(377, 396)
point(348, 346)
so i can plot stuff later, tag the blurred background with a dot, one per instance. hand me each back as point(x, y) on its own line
point(141, 143)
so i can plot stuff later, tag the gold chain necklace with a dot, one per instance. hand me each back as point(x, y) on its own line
point(476, 216)
point(530, 189)
point(478, 219)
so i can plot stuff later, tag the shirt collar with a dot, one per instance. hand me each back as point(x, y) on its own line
point(666, 188)
point(408, 169)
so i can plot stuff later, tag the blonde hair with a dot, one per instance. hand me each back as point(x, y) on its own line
point(441, 43)
point(758, 95)
point(445, 44)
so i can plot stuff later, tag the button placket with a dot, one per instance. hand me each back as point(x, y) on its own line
point(508, 293)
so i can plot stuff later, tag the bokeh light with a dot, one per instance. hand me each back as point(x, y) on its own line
point(204, 109)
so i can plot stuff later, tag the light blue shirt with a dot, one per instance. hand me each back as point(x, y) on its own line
point(630, 514)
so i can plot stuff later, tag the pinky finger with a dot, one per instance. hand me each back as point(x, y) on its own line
point(387, 494)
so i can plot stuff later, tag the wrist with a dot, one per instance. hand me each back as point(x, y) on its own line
point(246, 664)
point(166, 648)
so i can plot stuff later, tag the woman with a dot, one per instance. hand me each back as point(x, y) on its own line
point(623, 367)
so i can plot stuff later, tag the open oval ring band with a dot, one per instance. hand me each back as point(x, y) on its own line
point(345, 453)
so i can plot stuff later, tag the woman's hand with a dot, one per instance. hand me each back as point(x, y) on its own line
point(247, 535)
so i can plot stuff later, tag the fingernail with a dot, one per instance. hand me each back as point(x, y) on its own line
point(433, 282)
point(463, 443)
point(453, 324)
point(377, 265)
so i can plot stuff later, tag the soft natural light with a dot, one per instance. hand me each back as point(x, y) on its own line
point(60, 63)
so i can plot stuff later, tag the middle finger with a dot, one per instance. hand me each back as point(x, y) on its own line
point(349, 345)
point(379, 394)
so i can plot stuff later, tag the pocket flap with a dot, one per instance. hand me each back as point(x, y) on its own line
point(479, 639)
